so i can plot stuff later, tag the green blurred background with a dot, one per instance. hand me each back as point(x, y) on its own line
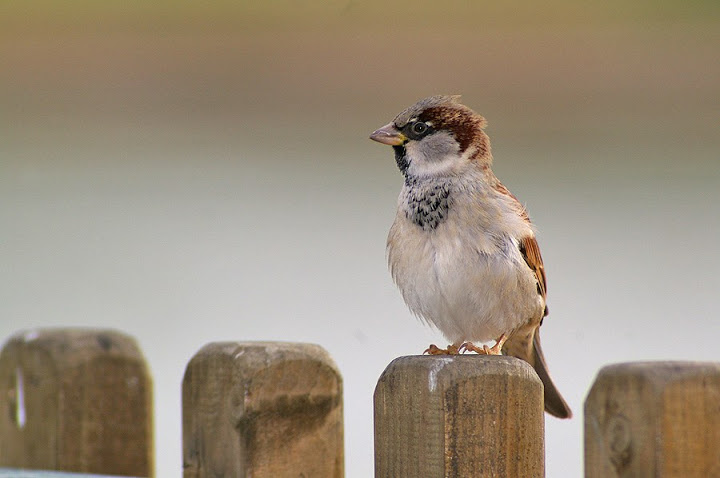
point(190, 172)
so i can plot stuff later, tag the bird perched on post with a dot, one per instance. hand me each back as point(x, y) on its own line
point(462, 249)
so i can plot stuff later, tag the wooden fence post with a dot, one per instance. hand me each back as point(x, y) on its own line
point(657, 420)
point(459, 416)
point(75, 400)
point(263, 409)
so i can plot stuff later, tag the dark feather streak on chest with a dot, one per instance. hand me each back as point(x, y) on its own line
point(427, 204)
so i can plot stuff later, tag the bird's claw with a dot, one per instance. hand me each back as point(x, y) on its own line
point(435, 350)
point(484, 350)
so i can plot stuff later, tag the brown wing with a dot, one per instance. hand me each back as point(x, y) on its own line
point(527, 345)
point(528, 245)
point(531, 253)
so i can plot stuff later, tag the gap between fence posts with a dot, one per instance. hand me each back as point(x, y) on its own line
point(75, 400)
point(459, 416)
point(262, 409)
point(654, 419)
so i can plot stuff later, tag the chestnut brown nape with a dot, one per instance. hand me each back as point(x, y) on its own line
point(465, 125)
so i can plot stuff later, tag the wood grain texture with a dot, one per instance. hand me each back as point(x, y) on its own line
point(18, 473)
point(75, 400)
point(264, 409)
point(459, 416)
point(654, 419)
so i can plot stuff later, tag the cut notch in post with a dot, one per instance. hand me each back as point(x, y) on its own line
point(262, 409)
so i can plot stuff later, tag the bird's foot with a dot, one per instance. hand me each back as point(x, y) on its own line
point(435, 350)
point(484, 350)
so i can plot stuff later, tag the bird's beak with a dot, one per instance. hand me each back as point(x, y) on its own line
point(388, 134)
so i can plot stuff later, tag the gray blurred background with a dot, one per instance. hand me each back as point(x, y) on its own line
point(191, 172)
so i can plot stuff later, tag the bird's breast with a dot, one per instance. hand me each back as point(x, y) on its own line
point(458, 273)
point(427, 207)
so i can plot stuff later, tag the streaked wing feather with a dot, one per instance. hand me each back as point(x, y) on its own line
point(531, 253)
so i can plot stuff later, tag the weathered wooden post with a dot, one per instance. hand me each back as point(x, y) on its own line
point(459, 416)
point(75, 400)
point(654, 419)
point(263, 409)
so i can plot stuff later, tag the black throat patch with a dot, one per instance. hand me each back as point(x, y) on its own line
point(401, 158)
point(427, 202)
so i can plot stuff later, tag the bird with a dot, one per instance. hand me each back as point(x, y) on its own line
point(462, 249)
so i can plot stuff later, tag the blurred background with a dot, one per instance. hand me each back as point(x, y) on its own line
point(191, 172)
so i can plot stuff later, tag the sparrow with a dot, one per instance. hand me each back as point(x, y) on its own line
point(462, 249)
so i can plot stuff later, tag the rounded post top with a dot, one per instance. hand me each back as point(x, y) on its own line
point(453, 368)
point(69, 346)
point(255, 359)
point(659, 372)
point(265, 353)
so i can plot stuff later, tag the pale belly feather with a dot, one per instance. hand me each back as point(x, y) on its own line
point(471, 285)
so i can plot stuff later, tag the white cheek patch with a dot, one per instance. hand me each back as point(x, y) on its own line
point(425, 162)
point(437, 167)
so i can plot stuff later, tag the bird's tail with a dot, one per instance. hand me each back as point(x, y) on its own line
point(527, 347)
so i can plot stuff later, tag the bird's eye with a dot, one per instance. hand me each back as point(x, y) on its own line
point(419, 128)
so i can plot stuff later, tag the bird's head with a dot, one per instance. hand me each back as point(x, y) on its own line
point(435, 137)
